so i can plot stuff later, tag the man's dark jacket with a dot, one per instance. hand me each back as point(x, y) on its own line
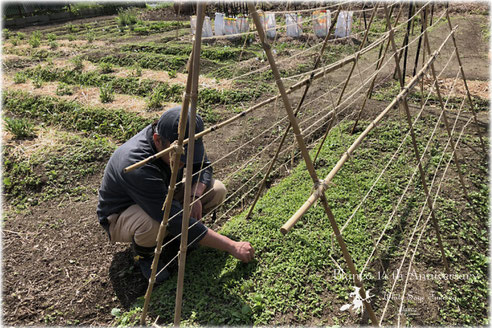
point(146, 186)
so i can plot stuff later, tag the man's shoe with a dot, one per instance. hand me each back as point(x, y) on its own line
point(145, 264)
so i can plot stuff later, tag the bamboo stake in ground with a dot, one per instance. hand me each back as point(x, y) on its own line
point(332, 119)
point(472, 108)
point(178, 148)
point(307, 159)
point(414, 143)
point(189, 162)
point(303, 97)
point(443, 109)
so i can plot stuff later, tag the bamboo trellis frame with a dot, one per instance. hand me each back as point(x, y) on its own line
point(307, 160)
point(191, 94)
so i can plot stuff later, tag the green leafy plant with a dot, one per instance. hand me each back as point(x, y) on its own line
point(20, 77)
point(19, 127)
point(51, 37)
point(6, 33)
point(172, 73)
point(21, 35)
point(37, 81)
point(137, 70)
point(53, 45)
point(105, 67)
point(64, 89)
point(35, 39)
point(71, 37)
point(154, 101)
point(106, 93)
point(14, 41)
point(78, 63)
point(126, 17)
point(90, 36)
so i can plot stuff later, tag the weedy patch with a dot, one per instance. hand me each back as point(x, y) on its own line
point(19, 127)
point(44, 169)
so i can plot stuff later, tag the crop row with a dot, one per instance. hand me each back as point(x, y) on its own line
point(141, 87)
point(184, 49)
point(118, 124)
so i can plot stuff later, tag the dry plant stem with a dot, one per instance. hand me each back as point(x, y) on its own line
point(189, 161)
point(322, 187)
point(303, 97)
point(415, 148)
point(328, 69)
point(330, 123)
point(172, 186)
point(307, 159)
point(454, 150)
point(472, 108)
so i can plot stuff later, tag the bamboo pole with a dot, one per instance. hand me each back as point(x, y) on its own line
point(472, 108)
point(371, 87)
point(419, 45)
point(415, 148)
point(324, 185)
point(307, 159)
point(405, 42)
point(328, 69)
point(444, 115)
point(189, 163)
point(178, 149)
point(303, 97)
point(347, 80)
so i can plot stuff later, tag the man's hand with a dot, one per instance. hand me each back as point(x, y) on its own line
point(243, 251)
point(196, 209)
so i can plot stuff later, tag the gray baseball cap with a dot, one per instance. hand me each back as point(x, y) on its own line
point(167, 128)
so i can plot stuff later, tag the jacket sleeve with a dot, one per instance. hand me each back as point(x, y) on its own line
point(146, 188)
point(205, 175)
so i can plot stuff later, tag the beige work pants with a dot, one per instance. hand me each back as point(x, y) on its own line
point(135, 223)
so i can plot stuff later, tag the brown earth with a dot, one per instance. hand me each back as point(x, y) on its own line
point(60, 269)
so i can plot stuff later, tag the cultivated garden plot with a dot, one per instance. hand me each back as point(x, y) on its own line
point(74, 92)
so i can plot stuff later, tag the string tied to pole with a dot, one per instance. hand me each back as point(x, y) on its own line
point(176, 151)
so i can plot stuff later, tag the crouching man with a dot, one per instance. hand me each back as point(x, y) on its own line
point(130, 204)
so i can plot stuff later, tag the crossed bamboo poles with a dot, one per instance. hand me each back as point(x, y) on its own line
point(320, 185)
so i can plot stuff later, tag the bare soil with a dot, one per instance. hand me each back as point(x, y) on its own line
point(60, 269)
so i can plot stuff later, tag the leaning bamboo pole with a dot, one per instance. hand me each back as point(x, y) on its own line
point(324, 185)
point(299, 105)
point(307, 159)
point(189, 163)
point(415, 147)
point(328, 69)
point(347, 80)
point(178, 150)
point(443, 109)
point(472, 108)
